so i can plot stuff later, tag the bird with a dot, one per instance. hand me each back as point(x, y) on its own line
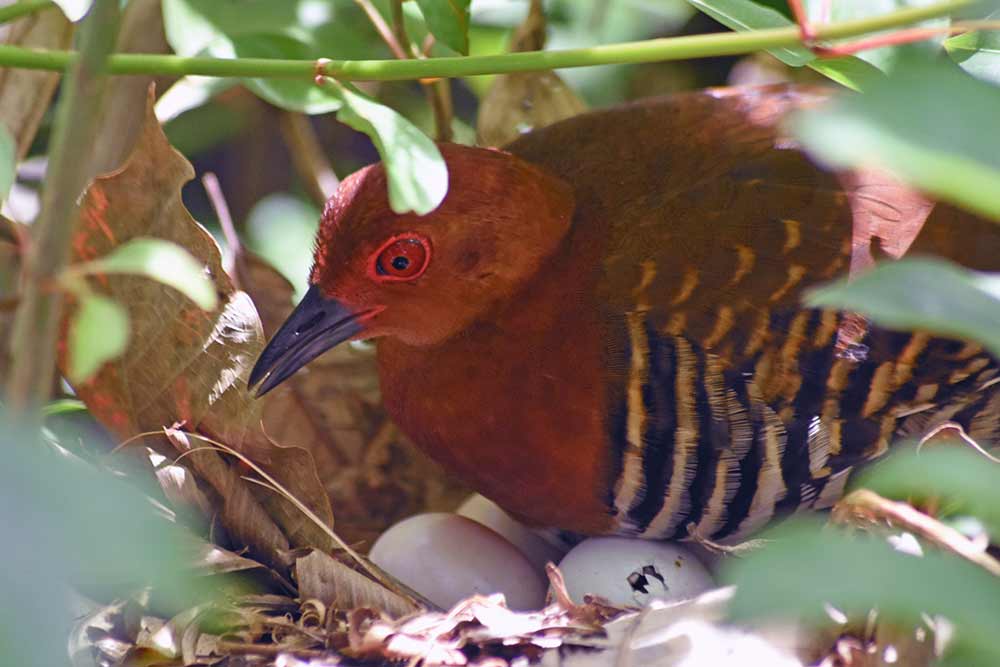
point(601, 328)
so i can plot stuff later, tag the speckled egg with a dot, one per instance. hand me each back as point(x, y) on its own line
point(630, 572)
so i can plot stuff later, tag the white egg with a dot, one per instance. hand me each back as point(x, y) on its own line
point(538, 550)
point(630, 572)
point(447, 558)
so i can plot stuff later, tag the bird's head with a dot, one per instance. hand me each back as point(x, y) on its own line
point(421, 279)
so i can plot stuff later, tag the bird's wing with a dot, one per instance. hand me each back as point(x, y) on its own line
point(729, 399)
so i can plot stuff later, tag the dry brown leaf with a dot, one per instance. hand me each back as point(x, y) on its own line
point(25, 94)
point(373, 475)
point(141, 32)
point(184, 365)
point(523, 101)
point(9, 276)
point(326, 579)
point(241, 513)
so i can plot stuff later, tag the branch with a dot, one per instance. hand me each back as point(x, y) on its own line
point(654, 50)
point(23, 8)
point(36, 325)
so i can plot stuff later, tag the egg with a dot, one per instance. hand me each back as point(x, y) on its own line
point(534, 546)
point(447, 558)
point(630, 572)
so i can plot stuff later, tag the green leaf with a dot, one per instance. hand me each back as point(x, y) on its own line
point(63, 406)
point(294, 29)
point(330, 28)
point(929, 123)
point(854, 73)
point(448, 20)
point(965, 479)
point(162, 261)
point(978, 53)
point(98, 333)
point(744, 15)
point(417, 174)
point(928, 294)
point(74, 9)
point(8, 161)
point(805, 567)
point(68, 524)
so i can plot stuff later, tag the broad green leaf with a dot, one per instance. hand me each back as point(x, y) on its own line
point(743, 15)
point(929, 123)
point(63, 406)
point(299, 29)
point(978, 53)
point(928, 294)
point(8, 161)
point(803, 567)
point(74, 9)
point(68, 524)
point(966, 480)
point(448, 20)
point(854, 73)
point(162, 261)
point(417, 174)
point(98, 333)
point(331, 28)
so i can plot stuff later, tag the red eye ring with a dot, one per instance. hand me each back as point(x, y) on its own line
point(401, 258)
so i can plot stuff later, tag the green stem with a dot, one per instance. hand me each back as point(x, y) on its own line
point(36, 324)
point(670, 48)
point(23, 8)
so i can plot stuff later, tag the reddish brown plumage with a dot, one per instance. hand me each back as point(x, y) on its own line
point(608, 336)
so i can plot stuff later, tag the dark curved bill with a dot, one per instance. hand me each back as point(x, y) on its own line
point(316, 325)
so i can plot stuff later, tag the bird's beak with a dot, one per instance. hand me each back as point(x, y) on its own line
point(317, 324)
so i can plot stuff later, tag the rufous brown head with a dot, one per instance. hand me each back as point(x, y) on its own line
point(421, 279)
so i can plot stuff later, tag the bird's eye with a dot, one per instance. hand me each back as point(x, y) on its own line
point(402, 258)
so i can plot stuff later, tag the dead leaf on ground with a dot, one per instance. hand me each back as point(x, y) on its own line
point(184, 365)
point(337, 586)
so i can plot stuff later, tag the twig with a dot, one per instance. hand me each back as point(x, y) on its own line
point(869, 504)
point(36, 325)
point(233, 260)
point(24, 8)
point(383, 29)
point(740, 549)
point(652, 50)
point(438, 92)
point(308, 157)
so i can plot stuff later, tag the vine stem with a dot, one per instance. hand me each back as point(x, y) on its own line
point(23, 8)
point(36, 323)
point(653, 50)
